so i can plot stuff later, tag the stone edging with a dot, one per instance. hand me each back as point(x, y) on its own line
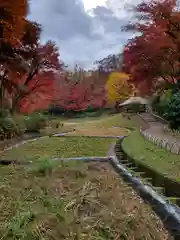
point(168, 213)
point(175, 133)
point(172, 147)
point(170, 186)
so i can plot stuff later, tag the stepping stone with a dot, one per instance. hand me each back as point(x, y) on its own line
point(168, 146)
point(158, 142)
point(164, 143)
point(175, 148)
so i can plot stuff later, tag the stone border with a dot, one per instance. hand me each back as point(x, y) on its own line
point(172, 147)
point(175, 133)
point(170, 186)
point(168, 213)
point(84, 136)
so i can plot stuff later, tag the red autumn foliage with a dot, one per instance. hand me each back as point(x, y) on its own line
point(79, 95)
point(32, 75)
point(12, 20)
point(30, 70)
point(39, 94)
point(155, 53)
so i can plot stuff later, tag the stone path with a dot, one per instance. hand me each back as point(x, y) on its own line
point(155, 133)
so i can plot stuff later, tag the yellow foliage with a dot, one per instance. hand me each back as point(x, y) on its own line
point(118, 87)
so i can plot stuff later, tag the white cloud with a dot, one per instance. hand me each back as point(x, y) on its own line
point(82, 37)
point(89, 4)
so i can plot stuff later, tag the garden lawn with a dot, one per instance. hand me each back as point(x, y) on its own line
point(52, 147)
point(72, 200)
point(106, 121)
point(147, 153)
point(115, 125)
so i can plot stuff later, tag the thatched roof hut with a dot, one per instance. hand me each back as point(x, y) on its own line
point(133, 100)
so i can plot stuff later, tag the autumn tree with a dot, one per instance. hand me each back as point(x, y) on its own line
point(12, 23)
point(118, 87)
point(78, 73)
point(78, 95)
point(109, 64)
point(43, 63)
point(39, 93)
point(25, 64)
point(12, 20)
point(155, 53)
point(24, 73)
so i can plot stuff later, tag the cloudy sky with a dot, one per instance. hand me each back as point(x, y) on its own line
point(84, 30)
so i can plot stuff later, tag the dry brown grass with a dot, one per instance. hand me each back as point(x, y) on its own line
point(73, 201)
point(99, 131)
point(107, 126)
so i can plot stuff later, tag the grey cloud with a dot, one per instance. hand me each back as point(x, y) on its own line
point(62, 19)
point(81, 37)
point(109, 20)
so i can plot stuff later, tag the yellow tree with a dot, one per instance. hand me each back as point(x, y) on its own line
point(118, 87)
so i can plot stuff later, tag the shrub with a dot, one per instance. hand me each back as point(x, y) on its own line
point(8, 125)
point(154, 103)
point(35, 122)
point(20, 121)
point(44, 166)
point(172, 113)
point(161, 102)
point(4, 113)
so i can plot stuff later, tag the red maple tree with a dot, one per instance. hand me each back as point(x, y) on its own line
point(154, 53)
point(77, 95)
point(25, 73)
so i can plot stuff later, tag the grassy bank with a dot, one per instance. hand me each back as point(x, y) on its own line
point(52, 147)
point(72, 201)
point(147, 153)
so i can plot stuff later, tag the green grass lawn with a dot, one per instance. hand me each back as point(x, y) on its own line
point(51, 147)
point(72, 200)
point(147, 153)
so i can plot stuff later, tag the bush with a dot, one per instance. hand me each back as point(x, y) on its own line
point(161, 102)
point(172, 113)
point(44, 167)
point(8, 125)
point(35, 122)
point(4, 113)
point(20, 121)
